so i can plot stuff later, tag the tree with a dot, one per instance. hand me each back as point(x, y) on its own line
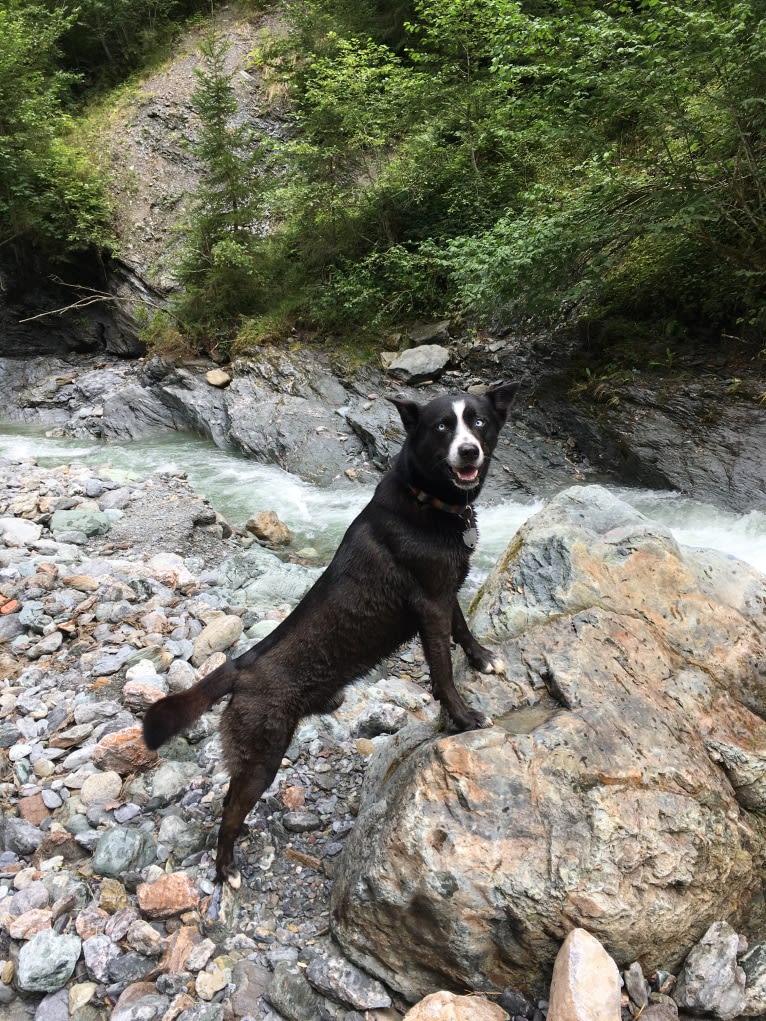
point(49, 196)
point(219, 269)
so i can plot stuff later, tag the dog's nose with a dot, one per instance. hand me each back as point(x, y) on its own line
point(468, 451)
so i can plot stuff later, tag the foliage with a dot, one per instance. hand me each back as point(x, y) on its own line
point(601, 157)
point(48, 194)
point(219, 270)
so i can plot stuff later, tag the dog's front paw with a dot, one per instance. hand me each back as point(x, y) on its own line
point(472, 720)
point(486, 662)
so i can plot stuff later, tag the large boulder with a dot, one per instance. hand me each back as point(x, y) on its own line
point(620, 791)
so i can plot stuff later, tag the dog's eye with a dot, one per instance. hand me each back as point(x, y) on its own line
point(479, 423)
point(442, 427)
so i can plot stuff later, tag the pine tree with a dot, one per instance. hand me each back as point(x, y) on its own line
point(218, 268)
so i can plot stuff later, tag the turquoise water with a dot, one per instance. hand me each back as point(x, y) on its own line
point(238, 487)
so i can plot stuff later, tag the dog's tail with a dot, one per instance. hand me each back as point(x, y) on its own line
point(175, 713)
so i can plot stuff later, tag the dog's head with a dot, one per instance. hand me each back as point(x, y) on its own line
point(450, 440)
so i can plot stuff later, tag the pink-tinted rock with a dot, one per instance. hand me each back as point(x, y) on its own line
point(445, 1006)
point(586, 982)
point(124, 752)
point(169, 895)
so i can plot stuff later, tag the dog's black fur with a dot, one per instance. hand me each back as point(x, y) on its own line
point(396, 573)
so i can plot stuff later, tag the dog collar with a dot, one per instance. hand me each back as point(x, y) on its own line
point(451, 508)
point(470, 532)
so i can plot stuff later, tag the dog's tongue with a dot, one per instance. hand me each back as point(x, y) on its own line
point(466, 474)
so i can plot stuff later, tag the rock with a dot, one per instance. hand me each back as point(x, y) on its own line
point(47, 962)
point(18, 532)
point(170, 895)
point(28, 924)
point(19, 836)
point(419, 364)
point(711, 980)
point(219, 634)
point(267, 526)
point(217, 377)
point(586, 983)
point(171, 779)
point(99, 952)
point(124, 752)
point(449, 1007)
point(754, 966)
point(429, 333)
point(250, 983)
point(589, 800)
point(636, 985)
point(121, 849)
point(100, 787)
point(334, 976)
point(86, 521)
point(291, 995)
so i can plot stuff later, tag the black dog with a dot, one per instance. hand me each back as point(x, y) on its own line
point(396, 573)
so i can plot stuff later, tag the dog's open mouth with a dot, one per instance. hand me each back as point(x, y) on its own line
point(468, 474)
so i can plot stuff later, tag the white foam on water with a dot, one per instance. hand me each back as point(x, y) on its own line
point(238, 488)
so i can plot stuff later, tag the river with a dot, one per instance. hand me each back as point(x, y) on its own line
point(238, 487)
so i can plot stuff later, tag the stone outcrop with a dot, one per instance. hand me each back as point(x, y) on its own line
point(619, 790)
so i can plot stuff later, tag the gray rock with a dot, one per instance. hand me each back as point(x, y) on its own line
point(334, 976)
point(292, 995)
point(19, 532)
point(380, 718)
point(250, 982)
point(119, 850)
point(420, 364)
point(99, 951)
point(711, 980)
point(87, 521)
point(47, 962)
point(754, 966)
point(53, 1007)
point(636, 985)
point(145, 1008)
point(182, 836)
point(172, 778)
point(301, 822)
point(19, 836)
point(33, 895)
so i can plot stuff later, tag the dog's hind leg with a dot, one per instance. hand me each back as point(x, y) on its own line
point(251, 775)
point(481, 659)
point(434, 634)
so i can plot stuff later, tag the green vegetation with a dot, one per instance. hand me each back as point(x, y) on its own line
point(576, 160)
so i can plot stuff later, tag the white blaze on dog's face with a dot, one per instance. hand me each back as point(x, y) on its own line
point(465, 456)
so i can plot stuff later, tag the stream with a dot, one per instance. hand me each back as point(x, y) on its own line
point(317, 516)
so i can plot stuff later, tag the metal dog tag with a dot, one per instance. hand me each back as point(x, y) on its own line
point(471, 537)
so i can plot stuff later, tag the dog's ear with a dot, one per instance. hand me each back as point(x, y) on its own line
point(500, 396)
point(409, 412)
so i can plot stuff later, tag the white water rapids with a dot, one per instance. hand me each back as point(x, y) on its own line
point(238, 487)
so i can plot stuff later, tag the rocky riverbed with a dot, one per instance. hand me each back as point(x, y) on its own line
point(112, 594)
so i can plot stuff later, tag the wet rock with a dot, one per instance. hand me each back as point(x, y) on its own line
point(586, 983)
point(47, 962)
point(711, 979)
